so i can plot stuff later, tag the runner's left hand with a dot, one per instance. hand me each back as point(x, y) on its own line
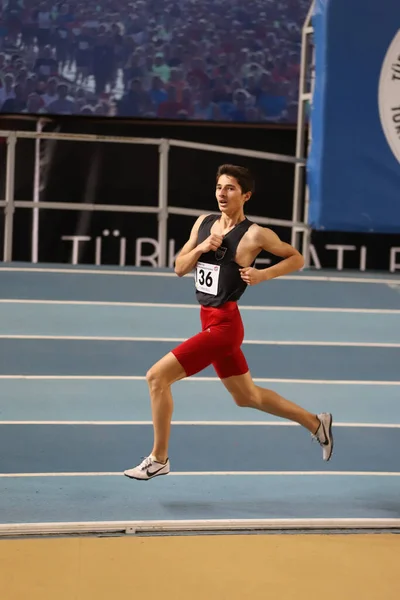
point(251, 276)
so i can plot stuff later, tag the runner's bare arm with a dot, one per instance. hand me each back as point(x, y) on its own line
point(270, 242)
point(267, 240)
point(191, 251)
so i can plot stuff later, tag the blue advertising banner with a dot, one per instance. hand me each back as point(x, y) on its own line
point(354, 163)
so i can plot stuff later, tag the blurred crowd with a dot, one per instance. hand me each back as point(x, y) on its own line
point(212, 60)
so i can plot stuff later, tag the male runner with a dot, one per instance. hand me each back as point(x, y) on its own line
point(222, 249)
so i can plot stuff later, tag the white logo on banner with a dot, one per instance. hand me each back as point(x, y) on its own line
point(148, 250)
point(389, 96)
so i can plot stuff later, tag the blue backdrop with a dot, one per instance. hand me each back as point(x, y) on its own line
point(354, 163)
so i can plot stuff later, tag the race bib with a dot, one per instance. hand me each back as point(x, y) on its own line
point(207, 277)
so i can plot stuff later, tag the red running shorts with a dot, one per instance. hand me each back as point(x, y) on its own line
point(218, 344)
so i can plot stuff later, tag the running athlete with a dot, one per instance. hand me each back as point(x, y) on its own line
point(222, 250)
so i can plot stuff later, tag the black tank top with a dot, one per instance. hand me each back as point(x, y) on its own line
point(217, 276)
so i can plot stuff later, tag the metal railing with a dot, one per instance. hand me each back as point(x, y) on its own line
point(162, 210)
point(301, 198)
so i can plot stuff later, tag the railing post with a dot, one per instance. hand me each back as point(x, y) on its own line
point(36, 196)
point(9, 208)
point(163, 202)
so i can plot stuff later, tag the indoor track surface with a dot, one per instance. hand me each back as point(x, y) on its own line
point(75, 345)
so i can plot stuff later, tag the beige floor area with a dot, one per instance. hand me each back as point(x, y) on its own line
point(217, 567)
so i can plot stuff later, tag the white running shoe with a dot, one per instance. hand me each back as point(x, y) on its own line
point(148, 469)
point(324, 435)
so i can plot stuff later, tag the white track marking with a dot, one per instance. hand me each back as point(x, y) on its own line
point(216, 474)
point(200, 379)
point(157, 305)
point(176, 340)
point(333, 278)
point(135, 527)
point(118, 273)
point(203, 423)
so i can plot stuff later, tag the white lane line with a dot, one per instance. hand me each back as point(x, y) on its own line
point(334, 278)
point(134, 527)
point(312, 309)
point(177, 340)
point(215, 474)
point(203, 423)
point(197, 379)
point(118, 273)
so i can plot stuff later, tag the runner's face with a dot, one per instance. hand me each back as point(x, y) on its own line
point(229, 194)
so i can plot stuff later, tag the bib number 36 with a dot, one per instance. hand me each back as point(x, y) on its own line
point(207, 277)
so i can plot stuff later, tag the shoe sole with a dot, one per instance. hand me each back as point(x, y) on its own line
point(330, 437)
point(148, 479)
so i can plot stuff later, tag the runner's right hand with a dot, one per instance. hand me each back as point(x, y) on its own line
point(213, 242)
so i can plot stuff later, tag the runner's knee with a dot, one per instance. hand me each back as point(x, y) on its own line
point(156, 379)
point(246, 398)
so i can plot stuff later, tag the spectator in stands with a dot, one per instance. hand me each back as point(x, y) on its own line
point(171, 107)
point(34, 104)
point(134, 101)
point(204, 108)
point(7, 88)
point(46, 65)
point(49, 93)
point(160, 67)
point(158, 94)
point(83, 52)
point(63, 105)
point(15, 103)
